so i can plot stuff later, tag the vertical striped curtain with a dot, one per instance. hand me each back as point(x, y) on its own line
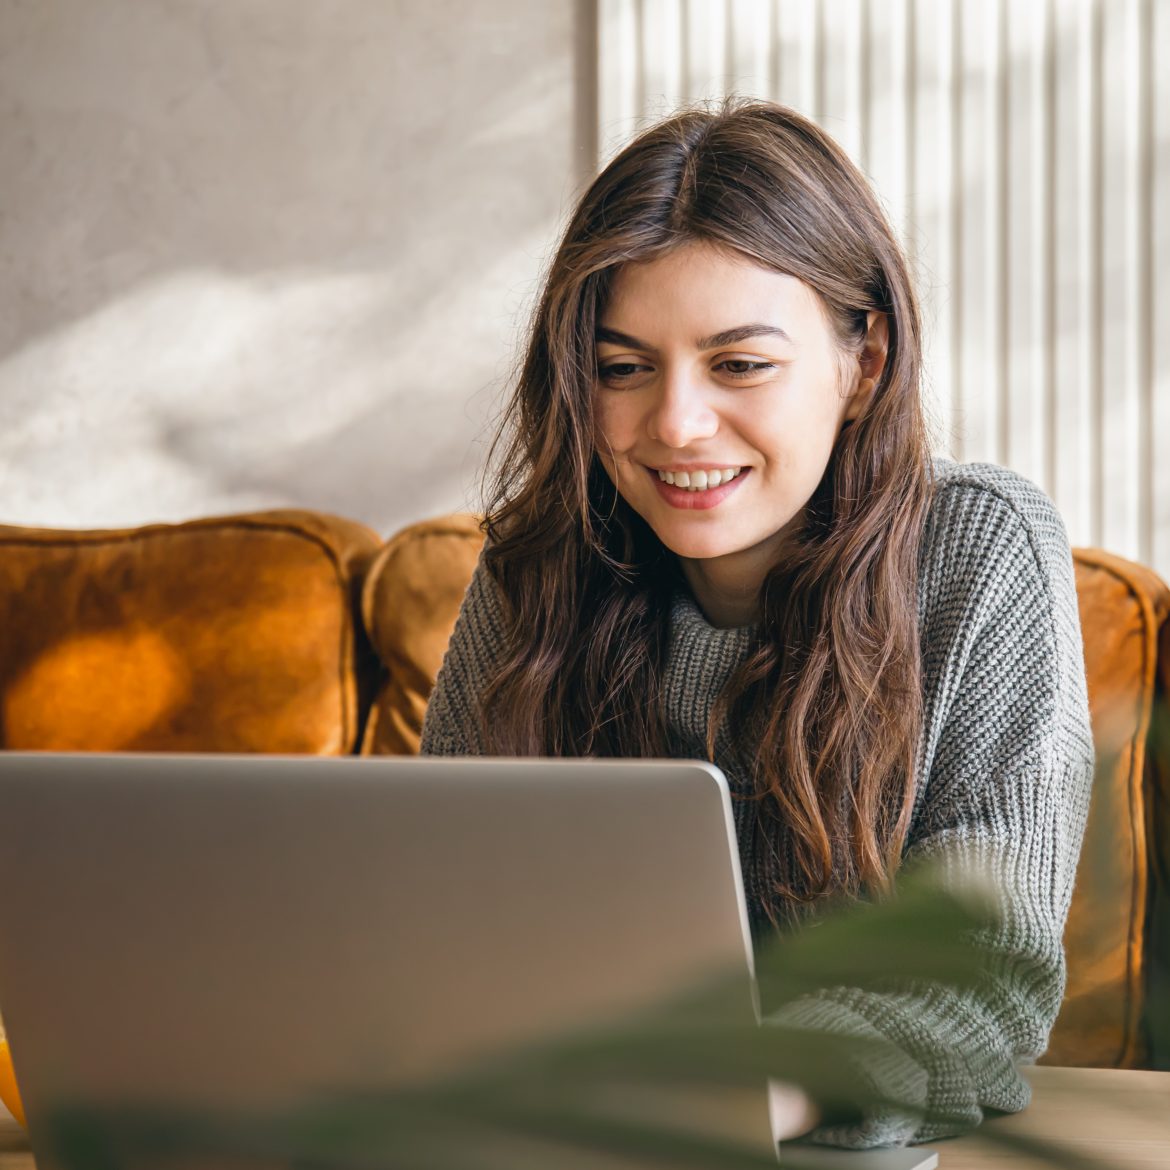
point(1022, 150)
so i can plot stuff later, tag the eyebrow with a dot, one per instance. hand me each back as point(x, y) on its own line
point(727, 337)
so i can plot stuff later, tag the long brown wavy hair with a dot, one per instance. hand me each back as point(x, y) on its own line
point(829, 696)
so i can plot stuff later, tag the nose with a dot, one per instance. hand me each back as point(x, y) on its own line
point(681, 412)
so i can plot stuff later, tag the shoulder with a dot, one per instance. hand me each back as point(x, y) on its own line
point(1004, 677)
point(987, 522)
point(480, 628)
point(485, 610)
point(452, 723)
point(995, 568)
point(975, 496)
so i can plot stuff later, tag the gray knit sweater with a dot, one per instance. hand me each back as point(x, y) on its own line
point(1005, 770)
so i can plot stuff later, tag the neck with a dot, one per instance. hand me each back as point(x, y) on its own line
point(727, 589)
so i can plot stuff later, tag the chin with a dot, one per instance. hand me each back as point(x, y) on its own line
point(698, 546)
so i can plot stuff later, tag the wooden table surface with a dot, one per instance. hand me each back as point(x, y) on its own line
point(1120, 1118)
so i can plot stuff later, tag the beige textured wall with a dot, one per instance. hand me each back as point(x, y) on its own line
point(270, 252)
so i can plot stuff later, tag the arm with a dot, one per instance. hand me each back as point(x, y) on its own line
point(1009, 761)
point(453, 725)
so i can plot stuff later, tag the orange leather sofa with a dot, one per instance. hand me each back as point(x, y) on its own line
point(296, 631)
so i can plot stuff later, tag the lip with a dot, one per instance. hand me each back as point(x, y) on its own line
point(687, 501)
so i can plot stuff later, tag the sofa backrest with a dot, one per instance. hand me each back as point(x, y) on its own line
point(234, 633)
point(410, 600)
point(1118, 928)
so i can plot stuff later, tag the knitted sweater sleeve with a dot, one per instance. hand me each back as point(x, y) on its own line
point(1008, 761)
point(453, 723)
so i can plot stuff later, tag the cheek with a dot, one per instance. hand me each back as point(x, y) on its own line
point(614, 424)
point(797, 423)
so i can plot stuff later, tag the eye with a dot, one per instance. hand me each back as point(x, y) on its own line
point(617, 372)
point(742, 368)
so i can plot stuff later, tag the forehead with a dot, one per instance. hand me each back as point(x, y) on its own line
point(704, 288)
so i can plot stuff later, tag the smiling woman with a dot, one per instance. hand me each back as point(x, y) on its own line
point(716, 531)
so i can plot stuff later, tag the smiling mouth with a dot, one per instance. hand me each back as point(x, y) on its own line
point(692, 497)
point(700, 480)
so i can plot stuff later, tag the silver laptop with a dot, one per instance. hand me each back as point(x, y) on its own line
point(186, 939)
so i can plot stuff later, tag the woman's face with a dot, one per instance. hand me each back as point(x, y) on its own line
point(709, 363)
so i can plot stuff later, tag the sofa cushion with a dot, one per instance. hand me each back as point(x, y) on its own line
point(410, 602)
point(234, 634)
point(1125, 611)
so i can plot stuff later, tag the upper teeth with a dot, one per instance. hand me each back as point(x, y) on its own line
point(700, 481)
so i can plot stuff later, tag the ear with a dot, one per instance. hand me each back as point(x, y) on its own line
point(871, 362)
